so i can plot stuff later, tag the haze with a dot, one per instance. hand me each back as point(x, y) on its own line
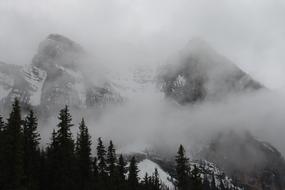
point(124, 33)
point(127, 32)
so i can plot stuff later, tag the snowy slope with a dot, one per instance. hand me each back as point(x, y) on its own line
point(148, 166)
point(35, 78)
point(136, 83)
point(210, 170)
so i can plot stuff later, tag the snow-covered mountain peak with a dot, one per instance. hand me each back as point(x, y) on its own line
point(57, 50)
point(54, 78)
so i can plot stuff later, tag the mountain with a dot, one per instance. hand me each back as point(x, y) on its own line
point(148, 166)
point(255, 164)
point(54, 79)
point(238, 160)
point(201, 73)
point(166, 170)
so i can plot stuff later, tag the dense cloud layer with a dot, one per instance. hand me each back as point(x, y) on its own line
point(123, 33)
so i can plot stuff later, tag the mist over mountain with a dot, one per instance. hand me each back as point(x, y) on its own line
point(201, 73)
point(54, 78)
point(57, 76)
point(142, 103)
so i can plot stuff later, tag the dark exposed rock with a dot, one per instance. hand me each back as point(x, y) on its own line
point(53, 79)
point(201, 73)
point(253, 163)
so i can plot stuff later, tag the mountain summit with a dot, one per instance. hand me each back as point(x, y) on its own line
point(53, 79)
point(202, 73)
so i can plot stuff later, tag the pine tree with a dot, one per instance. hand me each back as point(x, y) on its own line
point(111, 159)
point(121, 172)
point(213, 183)
point(146, 181)
point(52, 160)
point(2, 125)
point(122, 168)
point(44, 179)
point(83, 155)
point(31, 152)
point(206, 184)
point(133, 180)
point(64, 158)
point(156, 181)
point(101, 156)
point(2, 151)
point(95, 168)
point(196, 182)
point(182, 169)
point(95, 174)
point(111, 167)
point(14, 150)
point(222, 186)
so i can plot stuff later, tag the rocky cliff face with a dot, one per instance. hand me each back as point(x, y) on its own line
point(201, 73)
point(53, 79)
point(255, 164)
point(238, 160)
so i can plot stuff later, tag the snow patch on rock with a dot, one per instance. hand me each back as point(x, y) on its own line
point(36, 78)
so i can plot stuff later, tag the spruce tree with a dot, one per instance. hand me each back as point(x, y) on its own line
point(146, 181)
point(206, 184)
point(64, 152)
point(83, 155)
point(111, 159)
point(222, 186)
point(44, 179)
point(196, 182)
point(133, 179)
point(14, 150)
point(95, 168)
point(52, 160)
point(156, 180)
point(95, 174)
point(101, 156)
point(102, 167)
point(2, 125)
point(111, 167)
point(213, 183)
point(122, 168)
point(2, 151)
point(182, 169)
point(121, 172)
point(31, 152)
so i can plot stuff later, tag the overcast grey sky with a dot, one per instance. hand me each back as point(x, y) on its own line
point(249, 32)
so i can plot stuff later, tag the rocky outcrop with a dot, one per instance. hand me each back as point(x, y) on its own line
point(201, 73)
point(255, 164)
point(54, 79)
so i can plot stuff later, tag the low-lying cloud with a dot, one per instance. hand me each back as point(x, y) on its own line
point(123, 33)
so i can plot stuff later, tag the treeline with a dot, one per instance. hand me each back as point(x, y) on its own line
point(67, 163)
point(189, 177)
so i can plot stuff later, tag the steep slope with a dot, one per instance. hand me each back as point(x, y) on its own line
point(201, 73)
point(166, 169)
point(6, 79)
point(148, 166)
point(54, 79)
point(255, 164)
